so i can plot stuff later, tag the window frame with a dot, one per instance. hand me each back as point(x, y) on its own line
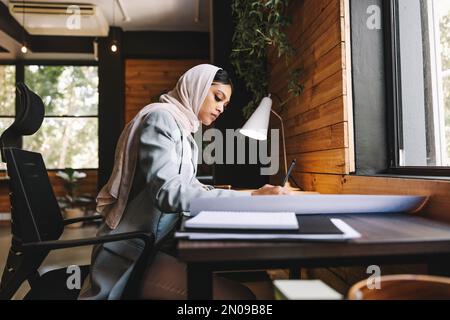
point(20, 77)
point(394, 99)
point(377, 143)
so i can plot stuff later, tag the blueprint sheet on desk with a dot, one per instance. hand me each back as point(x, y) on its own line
point(311, 203)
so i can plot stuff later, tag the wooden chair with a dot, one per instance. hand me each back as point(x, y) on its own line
point(403, 287)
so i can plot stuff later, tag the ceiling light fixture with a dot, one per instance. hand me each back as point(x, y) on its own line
point(95, 45)
point(24, 48)
point(114, 46)
point(197, 11)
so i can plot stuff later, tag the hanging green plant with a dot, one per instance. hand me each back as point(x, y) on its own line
point(259, 24)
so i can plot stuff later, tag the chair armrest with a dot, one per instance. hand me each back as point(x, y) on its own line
point(61, 244)
point(83, 219)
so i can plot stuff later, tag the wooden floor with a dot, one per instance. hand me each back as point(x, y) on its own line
point(57, 258)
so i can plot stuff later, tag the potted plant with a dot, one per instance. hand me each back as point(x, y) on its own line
point(260, 24)
point(71, 203)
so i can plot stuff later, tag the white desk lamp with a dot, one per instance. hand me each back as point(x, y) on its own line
point(257, 125)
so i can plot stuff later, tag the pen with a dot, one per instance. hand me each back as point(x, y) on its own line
point(286, 178)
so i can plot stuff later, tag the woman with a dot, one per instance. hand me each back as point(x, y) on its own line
point(153, 181)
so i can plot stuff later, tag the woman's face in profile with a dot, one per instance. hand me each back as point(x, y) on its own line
point(215, 103)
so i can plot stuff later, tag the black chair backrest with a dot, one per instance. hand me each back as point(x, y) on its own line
point(29, 117)
point(35, 213)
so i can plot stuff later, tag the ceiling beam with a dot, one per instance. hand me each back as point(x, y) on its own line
point(166, 44)
point(61, 44)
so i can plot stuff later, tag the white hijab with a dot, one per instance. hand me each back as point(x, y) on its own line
point(184, 103)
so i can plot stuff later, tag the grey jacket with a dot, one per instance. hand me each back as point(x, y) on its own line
point(164, 184)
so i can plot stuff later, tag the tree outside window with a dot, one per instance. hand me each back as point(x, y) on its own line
point(68, 137)
point(445, 54)
point(7, 98)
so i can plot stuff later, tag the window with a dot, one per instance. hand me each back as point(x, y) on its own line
point(401, 86)
point(68, 136)
point(7, 98)
point(422, 51)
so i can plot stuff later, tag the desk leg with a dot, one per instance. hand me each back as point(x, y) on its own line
point(199, 283)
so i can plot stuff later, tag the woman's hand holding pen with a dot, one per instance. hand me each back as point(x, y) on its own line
point(271, 190)
point(276, 190)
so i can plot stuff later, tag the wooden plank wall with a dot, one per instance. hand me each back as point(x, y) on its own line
point(319, 122)
point(316, 123)
point(145, 80)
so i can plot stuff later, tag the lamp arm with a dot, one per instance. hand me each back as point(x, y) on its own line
point(284, 141)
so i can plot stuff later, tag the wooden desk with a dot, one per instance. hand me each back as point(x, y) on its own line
point(386, 239)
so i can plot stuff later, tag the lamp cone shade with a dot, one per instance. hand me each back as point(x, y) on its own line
point(257, 125)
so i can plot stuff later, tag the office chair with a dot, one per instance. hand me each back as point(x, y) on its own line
point(36, 219)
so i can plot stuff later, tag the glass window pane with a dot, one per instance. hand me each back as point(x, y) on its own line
point(66, 142)
point(7, 90)
point(444, 26)
point(65, 90)
point(4, 124)
point(424, 30)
